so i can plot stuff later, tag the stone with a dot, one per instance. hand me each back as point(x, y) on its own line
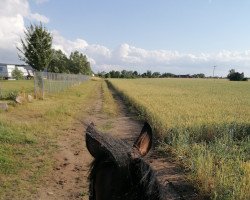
point(19, 99)
point(3, 106)
point(50, 193)
point(30, 98)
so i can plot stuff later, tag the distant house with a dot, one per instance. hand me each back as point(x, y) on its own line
point(6, 70)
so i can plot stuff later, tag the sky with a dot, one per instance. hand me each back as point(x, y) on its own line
point(177, 36)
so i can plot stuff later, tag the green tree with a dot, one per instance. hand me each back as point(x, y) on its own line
point(78, 64)
point(117, 74)
point(149, 74)
point(59, 62)
point(107, 75)
point(135, 74)
point(156, 75)
point(236, 76)
point(17, 74)
point(198, 75)
point(36, 47)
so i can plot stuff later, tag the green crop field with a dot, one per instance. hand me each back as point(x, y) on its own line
point(204, 123)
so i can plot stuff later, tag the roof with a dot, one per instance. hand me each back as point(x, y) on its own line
point(28, 67)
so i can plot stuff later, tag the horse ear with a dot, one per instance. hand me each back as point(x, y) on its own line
point(144, 142)
point(93, 145)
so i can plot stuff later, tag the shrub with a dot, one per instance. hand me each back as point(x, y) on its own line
point(12, 95)
point(236, 76)
point(17, 74)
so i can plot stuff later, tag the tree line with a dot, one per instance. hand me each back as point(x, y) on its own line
point(147, 74)
point(232, 76)
point(36, 50)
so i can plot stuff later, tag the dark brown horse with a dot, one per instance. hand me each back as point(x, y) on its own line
point(118, 171)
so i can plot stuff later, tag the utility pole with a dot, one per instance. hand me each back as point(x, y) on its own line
point(213, 70)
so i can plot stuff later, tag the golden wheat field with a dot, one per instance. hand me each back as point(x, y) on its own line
point(205, 123)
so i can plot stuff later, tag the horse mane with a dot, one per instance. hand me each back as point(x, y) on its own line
point(149, 187)
point(144, 185)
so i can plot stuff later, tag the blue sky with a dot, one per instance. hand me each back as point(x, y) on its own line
point(178, 36)
point(184, 25)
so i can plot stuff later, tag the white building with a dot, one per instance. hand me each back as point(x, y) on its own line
point(6, 70)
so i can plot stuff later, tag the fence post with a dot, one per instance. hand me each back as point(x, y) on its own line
point(35, 95)
point(42, 86)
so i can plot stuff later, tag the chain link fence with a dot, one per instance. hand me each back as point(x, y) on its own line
point(46, 82)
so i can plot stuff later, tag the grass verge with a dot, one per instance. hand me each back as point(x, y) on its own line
point(28, 136)
point(109, 105)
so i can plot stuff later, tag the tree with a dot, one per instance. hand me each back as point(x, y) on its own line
point(36, 48)
point(168, 75)
point(114, 74)
point(156, 75)
point(117, 74)
point(236, 76)
point(198, 75)
point(149, 74)
point(78, 64)
point(59, 62)
point(135, 74)
point(17, 74)
point(107, 75)
point(101, 74)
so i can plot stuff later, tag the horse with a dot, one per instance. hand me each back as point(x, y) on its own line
point(118, 171)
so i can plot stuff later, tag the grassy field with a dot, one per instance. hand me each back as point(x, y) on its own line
point(26, 145)
point(17, 85)
point(204, 123)
point(109, 106)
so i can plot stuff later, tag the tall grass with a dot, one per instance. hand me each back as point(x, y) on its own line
point(205, 124)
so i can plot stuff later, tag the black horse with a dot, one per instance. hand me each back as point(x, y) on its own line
point(118, 171)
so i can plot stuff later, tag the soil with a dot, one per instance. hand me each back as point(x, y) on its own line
point(69, 177)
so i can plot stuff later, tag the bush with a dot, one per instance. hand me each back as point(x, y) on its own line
point(12, 95)
point(17, 74)
point(236, 76)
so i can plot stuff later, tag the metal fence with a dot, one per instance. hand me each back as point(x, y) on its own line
point(46, 82)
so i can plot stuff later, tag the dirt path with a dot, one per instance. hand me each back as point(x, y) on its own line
point(69, 177)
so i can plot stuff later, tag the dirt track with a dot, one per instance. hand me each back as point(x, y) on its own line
point(69, 177)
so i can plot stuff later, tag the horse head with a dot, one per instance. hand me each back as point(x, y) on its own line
point(118, 171)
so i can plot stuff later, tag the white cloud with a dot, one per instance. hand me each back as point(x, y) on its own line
point(39, 18)
point(13, 14)
point(95, 53)
point(10, 8)
point(67, 46)
point(129, 57)
point(12, 19)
